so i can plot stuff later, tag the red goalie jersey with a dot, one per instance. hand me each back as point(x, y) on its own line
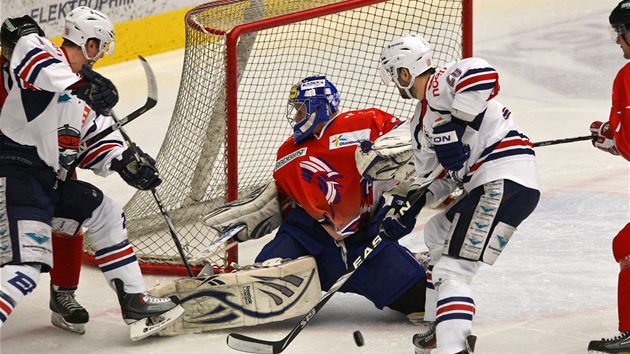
point(620, 111)
point(320, 174)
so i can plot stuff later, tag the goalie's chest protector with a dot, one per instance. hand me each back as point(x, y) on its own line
point(320, 174)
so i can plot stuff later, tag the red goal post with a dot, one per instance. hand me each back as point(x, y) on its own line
point(241, 59)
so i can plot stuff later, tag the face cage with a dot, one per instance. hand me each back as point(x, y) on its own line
point(293, 108)
point(617, 30)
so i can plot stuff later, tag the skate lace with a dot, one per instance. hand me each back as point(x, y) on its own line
point(622, 335)
point(67, 300)
point(148, 298)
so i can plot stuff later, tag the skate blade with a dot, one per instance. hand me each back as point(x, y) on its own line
point(150, 326)
point(58, 321)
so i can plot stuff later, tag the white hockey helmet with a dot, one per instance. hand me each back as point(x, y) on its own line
point(84, 23)
point(410, 51)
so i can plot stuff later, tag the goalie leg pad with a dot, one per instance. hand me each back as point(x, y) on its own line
point(243, 298)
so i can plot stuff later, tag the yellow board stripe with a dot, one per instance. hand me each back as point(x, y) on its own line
point(146, 36)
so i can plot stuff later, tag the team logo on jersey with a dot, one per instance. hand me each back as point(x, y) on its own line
point(325, 176)
point(452, 77)
point(348, 139)
point(283, 161)
point(63, 98)
point(69, 139)
point(37, 237)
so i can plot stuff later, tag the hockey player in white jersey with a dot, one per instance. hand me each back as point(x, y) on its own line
point(67, 312)
point(46, 115)
point(459, 124)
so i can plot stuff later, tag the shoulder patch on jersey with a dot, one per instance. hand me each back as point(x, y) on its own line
point(348, 139)
point(290, 157)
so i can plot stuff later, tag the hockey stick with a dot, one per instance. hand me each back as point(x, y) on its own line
point(563, 141)
point(151, 101)
point(252, 345)
point(214, 246)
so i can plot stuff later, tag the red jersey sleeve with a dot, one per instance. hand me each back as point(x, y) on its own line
point(620, 111)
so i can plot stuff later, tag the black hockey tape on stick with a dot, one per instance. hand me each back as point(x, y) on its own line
point(253, 345)
point(563, 141)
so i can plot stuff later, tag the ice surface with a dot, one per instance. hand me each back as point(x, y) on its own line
point(554, 288)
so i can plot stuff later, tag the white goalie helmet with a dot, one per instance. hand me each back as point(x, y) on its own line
point(84, 23)
point(410, 51)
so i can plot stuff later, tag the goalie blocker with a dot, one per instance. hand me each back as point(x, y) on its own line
point(261, 293)
point(259, 211)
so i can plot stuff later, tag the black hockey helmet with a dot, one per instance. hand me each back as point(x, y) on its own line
point(619, 18)
point(14, 28)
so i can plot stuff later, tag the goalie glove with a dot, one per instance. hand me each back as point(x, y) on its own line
point(259, 211)
point(388, 157)
point(603, 137)
point(396, 217)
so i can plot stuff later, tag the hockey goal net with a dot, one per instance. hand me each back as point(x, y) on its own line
point(241, 59)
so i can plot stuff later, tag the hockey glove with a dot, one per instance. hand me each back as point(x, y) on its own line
point(385, 159)
point(603, 137)
point(99, 92)
point(142, 175)
point(396, 217)
point(447, 141)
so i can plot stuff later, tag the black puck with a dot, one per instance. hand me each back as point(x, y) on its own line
point(358, 338)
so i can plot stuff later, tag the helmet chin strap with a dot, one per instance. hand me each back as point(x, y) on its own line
point(91, 60)
point(406, 88)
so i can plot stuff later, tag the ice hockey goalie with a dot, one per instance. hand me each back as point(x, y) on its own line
point(261, 293)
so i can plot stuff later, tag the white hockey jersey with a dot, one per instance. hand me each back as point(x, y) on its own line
point(498, 149)
point(39, 111)
point(31, 114)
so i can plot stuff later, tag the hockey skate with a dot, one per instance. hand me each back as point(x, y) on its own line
point(619, 344)
point(146, 314)
point(470, 345)
point(426, 341)
point(67, 313)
